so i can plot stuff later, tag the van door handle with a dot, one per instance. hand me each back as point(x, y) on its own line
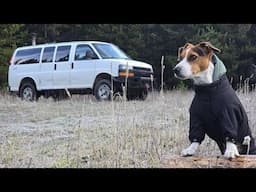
point(55, 66)
point(72, 65)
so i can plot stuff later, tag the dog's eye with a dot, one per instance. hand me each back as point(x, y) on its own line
point(192, 57)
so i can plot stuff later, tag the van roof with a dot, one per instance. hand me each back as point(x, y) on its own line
point(60, 43)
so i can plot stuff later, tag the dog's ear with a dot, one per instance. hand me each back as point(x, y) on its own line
point(187, 45)
point(179, 53)
point(181, 49)
point(207, 46)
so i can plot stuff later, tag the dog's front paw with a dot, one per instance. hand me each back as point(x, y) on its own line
point(187, 152)
point(190, 150)
point(231, 151)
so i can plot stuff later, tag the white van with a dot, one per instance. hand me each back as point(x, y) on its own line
point(76, 67)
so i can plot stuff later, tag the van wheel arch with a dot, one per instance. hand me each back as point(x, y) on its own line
point(102, 84)
point(29, 85)
point(100, 77)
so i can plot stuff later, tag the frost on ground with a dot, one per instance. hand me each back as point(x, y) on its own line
point(84, 133)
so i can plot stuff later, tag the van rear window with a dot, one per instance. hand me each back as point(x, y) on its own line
point(27, 56)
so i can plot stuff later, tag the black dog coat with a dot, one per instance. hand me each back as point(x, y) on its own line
point(217, 112)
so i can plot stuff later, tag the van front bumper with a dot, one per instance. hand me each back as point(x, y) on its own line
point(133, 83)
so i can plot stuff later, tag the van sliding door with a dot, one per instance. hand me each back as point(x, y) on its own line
point(62, 67)
point(47, 67)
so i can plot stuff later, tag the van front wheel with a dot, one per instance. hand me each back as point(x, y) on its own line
point(143, 94)
point(102, 90)
point(138, 95)
point(28, 92)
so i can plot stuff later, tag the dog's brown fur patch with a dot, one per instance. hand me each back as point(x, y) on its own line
point(196, 56)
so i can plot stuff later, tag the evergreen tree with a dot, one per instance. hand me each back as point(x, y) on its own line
point(146, 42)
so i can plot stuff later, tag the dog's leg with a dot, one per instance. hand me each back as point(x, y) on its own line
point(247, 141)
point(231, 150)
point(190, 150)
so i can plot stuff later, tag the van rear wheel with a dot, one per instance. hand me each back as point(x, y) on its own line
point(102, 90)
point(28, 92)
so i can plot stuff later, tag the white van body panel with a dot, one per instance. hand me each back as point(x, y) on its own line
point(83, 74)
point(45, 74)
point(19, 72)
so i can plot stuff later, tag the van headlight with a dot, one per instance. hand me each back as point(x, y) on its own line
point(123, 69)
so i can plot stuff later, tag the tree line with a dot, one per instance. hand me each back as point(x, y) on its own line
point(145, 42)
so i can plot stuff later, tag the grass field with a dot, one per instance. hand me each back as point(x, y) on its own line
point(84, 133)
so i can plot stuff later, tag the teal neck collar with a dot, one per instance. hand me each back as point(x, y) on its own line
point(219, 68)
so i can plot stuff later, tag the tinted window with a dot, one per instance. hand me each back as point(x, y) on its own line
point(84, 52)
point(27, 56)
point(62, 53)
point(48, 54)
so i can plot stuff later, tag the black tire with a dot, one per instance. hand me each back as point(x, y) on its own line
point(131, 97)
point(143, 94)
point(102, 90)
point(138, 95)
point(28, 92)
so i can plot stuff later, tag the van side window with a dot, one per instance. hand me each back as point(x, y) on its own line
point(62, 53)
point(84, 52)
point(48, 54)
point(27, 56)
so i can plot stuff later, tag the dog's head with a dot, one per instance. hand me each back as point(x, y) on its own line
point(193, 59)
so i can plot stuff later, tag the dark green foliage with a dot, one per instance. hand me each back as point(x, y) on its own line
point(146, 42)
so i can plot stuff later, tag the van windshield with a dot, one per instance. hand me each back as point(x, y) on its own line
point(110, 51)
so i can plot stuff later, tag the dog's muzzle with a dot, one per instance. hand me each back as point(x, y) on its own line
point(177, 72)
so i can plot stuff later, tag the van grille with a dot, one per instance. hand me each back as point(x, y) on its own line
point(141, 69)
point(142, 72)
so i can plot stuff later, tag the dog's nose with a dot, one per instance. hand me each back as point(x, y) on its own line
point(177, 70)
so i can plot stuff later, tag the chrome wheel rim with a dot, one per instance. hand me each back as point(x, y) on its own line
point(27, 94)
point(104, 92)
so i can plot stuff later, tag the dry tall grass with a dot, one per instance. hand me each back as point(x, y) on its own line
point(84, 133)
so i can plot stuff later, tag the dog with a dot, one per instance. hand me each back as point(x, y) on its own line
point(215, 110)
